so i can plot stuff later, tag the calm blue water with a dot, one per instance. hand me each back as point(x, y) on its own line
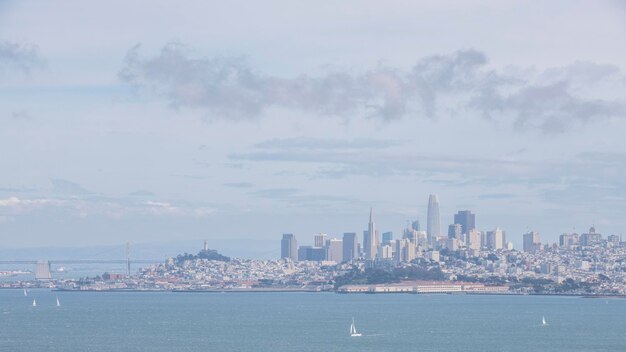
point(306, 322)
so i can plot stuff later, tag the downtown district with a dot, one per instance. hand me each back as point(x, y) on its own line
point(464, 260)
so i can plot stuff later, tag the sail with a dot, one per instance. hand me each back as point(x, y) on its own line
point(25, 293)
point(58, 303)
point(543, 320)
point(34, 303)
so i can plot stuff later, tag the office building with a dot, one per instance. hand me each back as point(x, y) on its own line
point(334, 250)
point(474, 240)
point(455, 231)
point(289, 247)
point(319, 240)
point(466, 219)
point(590, 238)
point(415, 225)
point(350, 246)
point(532, 242)
point(495, 239)
point(387, 237)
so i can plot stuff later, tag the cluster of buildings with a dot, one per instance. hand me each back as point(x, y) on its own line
point(461, 234)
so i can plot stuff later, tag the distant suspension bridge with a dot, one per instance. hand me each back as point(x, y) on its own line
point(43, 267)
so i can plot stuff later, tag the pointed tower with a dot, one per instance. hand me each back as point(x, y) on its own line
point(370, 238)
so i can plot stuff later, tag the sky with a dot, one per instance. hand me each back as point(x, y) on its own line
point(153, 121)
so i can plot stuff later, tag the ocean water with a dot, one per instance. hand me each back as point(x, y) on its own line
point(163, 321)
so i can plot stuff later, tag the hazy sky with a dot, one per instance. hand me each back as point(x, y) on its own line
point(158, 120)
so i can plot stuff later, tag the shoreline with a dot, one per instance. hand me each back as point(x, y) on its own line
point(299, 290)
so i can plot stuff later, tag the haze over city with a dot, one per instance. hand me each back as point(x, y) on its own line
point(299, 118)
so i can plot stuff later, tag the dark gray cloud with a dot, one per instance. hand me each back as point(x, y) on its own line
point(22, 57)
point(551, 101)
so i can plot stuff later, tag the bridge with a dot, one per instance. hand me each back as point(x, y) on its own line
point(43, 272)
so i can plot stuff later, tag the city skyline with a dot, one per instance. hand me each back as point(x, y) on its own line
point(197, 126)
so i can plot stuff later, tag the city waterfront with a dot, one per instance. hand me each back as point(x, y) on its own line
point(166, 321)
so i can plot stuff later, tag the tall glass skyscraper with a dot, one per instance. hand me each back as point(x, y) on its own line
point(433, 227)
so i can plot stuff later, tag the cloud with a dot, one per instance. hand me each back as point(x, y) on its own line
point(238, 184)
point(324, 143)
point(21, 115)
point(295, 197)
point(109, 208)
point(141, 193)
point(551, 101)
point(22, 57)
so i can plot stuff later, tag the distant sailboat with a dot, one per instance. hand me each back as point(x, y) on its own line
point(58, 303)
point(34, 303)
point(543, 321)
point(353, 332)
point(25, 293)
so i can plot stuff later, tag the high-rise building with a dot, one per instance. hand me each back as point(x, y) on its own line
point(370, 239)
point(466, 219)
point(433, 227)
point(415, 225)
point(405, 250)
point(335, 250)
point(591, 237)
point(289, 247)
point(387, 237)
point(495, 239)
point(350, 246)
point(454, 231)
point(474, 240)
point(532, 242)
point(311, 253)
point(320, 240)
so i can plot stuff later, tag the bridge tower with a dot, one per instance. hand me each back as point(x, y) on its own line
point(42, 271)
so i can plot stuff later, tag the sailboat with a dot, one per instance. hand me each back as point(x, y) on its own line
point(34, 303)
point(25, 293)
point(543, 321)
point(58, 303)
point(353, 332)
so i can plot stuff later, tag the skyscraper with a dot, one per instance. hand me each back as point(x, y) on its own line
point(415, 225)
point(370, 240)
point(350, 246)
point(532, 242)
point(387, 237)
point(495, 239)
point(454, 231)
point(433, 228)
point(289, 247)
point(334, 251)
point(466, 219)
point(320, 240)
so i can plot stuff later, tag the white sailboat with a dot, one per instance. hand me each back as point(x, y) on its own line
point(25, 293)
point(353, 332)
point(34, 303)
point(58, 303)
point(543, 321)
